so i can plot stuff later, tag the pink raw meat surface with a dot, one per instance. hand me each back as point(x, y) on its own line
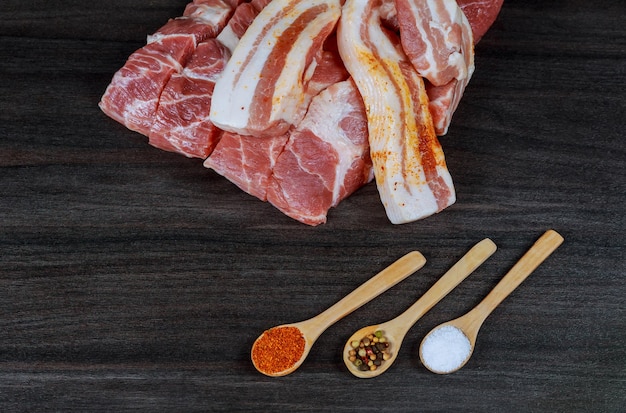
point(198, 30)
point(237, 25)
point(211, 11)
point(247, 161)
point(481, 14)
point(329, 70)
point(132, 96)
point(437, 38)
point(305, 185)
point(182, 124)
point(166, 88)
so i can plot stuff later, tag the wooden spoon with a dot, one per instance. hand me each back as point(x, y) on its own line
point(470, 323)
point(395, 330)
point(312, 328)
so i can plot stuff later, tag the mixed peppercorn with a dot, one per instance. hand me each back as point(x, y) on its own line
point(370, 352)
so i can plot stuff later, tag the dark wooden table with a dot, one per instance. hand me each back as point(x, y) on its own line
point(132, 279)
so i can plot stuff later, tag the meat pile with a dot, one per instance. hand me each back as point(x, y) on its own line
point(302, 102)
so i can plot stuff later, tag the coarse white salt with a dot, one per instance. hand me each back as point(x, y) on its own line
point(445, 349)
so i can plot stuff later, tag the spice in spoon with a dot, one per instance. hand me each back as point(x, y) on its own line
point(445, 349)
point(370, 352)
point(278, 349)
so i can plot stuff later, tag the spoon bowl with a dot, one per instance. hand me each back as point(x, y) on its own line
point(433, 356)
point(395, 330)
point(394, 335)
point(289, 355)
point(308, 338)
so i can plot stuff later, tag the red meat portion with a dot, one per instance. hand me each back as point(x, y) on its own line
point(132, 96)
point(305, 185)
point(195, 28)
point(247, 161)
point(329, 69)
point(182, 124)
point(481, 14)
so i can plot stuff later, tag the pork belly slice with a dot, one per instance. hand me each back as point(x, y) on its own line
point(247, 161)
point(326, 158)
point(133, 94)
point(437, 38)
point(182, 124)
point(262, 89)
point(409, 166)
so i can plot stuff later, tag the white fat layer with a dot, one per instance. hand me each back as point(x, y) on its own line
point(236, 88)
point(400, 176)
point(228, 38)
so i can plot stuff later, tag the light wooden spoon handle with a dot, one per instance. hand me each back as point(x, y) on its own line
point(453, 277)
point(375, 286)
point(541, 249)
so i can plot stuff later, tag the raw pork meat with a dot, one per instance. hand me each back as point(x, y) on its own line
point(308, 161)
point(437, 38)
point(237, 25)
point(262, 89)
point(132, 96)
point(244, 14)
point(247, 161)
point(182, 123)
point(481, 14)
point(305, 185)
point(411, 174)
point(329, 68)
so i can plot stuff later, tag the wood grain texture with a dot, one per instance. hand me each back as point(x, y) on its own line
point(136, 280)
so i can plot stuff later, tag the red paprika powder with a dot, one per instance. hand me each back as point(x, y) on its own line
point(278, 349)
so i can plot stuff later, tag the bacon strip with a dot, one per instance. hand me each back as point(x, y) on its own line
point(411, 175)
point(262, 90)
point(437, 38)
